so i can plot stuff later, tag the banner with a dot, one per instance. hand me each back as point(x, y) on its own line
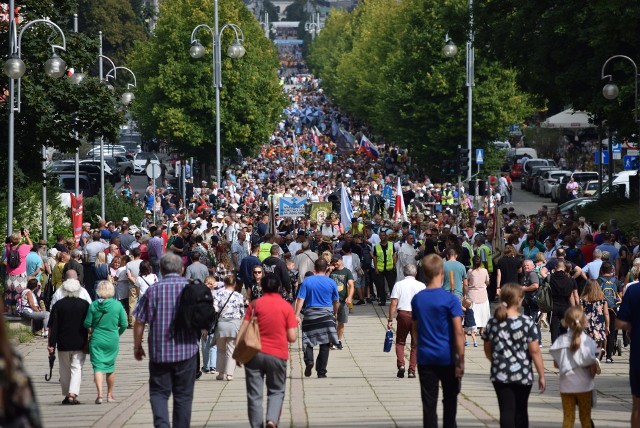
point(292, 207)
point(320, 211)
point(346, 212)
point(76, 216)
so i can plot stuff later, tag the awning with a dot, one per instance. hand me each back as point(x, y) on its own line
point(568, 119)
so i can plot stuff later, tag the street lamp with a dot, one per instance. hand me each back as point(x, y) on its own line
point(264, 23)
point(450, 50)
point(15, 68)
point(313, 27)
point(610, 91)
point(235, 50)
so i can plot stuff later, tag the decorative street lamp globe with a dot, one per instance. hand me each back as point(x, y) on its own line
point(55, 67)
point(110, 87)
point(127, 98)
point(14, 67)
point(450, 49)
point(236, 50)
point(77, 78)
point(197, 50)
point(610, 91)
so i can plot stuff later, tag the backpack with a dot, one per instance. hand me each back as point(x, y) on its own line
point(610, 289)
point(543, 297)
point(195, 309)
point(13, 257)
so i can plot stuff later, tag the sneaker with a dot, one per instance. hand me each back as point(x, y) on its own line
point(322, 376)
point(198, 374)
point(411, 375)
point(382, 303)
point(475, 344)
point(609, 360)
point(339, 345)
point(360, 302)
point(544, 324)
point(466, 343)
point(333, 347)
point(220, 376)
point(307, 370)
point(400, 373)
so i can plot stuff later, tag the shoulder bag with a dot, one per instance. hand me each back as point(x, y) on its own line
point(218, 314)
point(85, 348)
point(248, 342)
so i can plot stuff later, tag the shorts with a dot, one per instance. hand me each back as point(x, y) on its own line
point(469, 330)
point(634, 380)
point(343, 313)
point(360, 282)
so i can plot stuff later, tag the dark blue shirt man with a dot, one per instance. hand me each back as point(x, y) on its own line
point(437, 323)
point(629, 320)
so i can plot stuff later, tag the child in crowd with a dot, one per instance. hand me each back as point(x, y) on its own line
point(574, 354)
point(469, 322)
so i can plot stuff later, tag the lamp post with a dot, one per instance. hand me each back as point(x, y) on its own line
point(264, 23)
point(235, 50)
point(450, 50)
point(610, 91)
point(313, 27)
point(15, 68)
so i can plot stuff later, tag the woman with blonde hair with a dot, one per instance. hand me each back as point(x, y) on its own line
point(106, 320)
point(634, 272)
point(574, 354)
point(596, 312)
point(511, 344)
point(57, 277)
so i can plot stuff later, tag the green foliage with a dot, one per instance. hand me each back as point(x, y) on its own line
point(28, 211)
point(560, 46)
point(612, 207)
point(115, 207)
point(175, 99)
point(383, 64)
point(494, 158)
point(52, 110)
point(121, 27)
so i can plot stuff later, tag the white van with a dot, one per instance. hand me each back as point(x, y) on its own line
point(520, 154)
point(623, 180)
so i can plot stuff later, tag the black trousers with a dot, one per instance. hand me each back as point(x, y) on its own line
point(430, 377)
point(612, 338)
point(554, 326)
point(379, 279)
point(321, 361)
point(177, 379)
point(513, 399)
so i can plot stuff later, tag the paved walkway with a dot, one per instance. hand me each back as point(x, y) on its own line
point(361, 390)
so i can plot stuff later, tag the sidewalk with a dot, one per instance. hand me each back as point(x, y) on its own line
point(361, 390)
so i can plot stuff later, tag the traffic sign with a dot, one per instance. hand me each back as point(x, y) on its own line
point(153, 170)
point(604, 157)
point(631, 163)
point(617, 155)
point(479, 156)
point(616, 147)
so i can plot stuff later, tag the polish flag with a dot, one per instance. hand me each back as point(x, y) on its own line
point(400, 211)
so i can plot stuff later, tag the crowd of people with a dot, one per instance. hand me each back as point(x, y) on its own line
point(440, 264)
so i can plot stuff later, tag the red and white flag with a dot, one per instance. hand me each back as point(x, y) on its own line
point(400, 211)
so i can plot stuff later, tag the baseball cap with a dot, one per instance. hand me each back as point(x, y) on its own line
point(336, 257)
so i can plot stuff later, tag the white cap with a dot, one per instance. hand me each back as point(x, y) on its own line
point(125, 219)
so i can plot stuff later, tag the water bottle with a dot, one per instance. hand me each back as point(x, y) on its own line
point(388, 341)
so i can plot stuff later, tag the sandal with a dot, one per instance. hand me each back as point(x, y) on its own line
point(271, 424)
point(99, 400)
point(111, 399)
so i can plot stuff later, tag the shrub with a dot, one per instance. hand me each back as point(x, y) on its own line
point(115, 208)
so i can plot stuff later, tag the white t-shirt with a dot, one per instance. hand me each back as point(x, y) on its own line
point(405, 290)
point(143, 282)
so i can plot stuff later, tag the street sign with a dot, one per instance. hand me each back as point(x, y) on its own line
point(616, 147)
point(153, 170)
point(617, 155)
point(631, 163)
point(479, 156)
point(631, 152)
point(604, 157)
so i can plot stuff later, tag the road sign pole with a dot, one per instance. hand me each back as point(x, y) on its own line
point(153, 170)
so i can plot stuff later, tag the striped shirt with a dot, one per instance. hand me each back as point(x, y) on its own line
point(157, 308)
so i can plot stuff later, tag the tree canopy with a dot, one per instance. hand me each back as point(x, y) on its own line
point(175, 100)
point(383, 64)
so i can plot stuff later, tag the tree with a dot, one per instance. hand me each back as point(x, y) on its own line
point(383, 64)
point(54, 112)
point(175, 97)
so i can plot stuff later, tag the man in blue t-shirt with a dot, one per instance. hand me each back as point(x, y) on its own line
point(629, 320)
point(455, 270)
point(318, 296)
point(437, 323)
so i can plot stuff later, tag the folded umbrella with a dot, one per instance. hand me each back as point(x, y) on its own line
point(52, 360)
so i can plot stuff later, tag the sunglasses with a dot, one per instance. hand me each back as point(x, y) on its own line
point(257, 271)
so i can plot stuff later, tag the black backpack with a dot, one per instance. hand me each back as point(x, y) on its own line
point(195, 309)
point(13, 257)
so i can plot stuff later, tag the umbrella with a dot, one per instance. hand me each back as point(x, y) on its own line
point(308, 116)
point(569, 119)
point(52, 360)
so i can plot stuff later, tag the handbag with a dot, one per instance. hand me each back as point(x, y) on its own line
point(248, 342)
point(85, 347)
point(216, 317)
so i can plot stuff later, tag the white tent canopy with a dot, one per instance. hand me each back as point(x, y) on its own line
point(568, 119)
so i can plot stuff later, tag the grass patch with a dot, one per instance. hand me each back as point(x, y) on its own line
point(611, 207)
point(18, 334)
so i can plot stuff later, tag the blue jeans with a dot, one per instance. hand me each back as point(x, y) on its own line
point(209, 352)
point(166, 379)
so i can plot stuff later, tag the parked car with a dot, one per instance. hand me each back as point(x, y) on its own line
point(110, 169)
point(140, 161)
point(590, 188)
point(516, 171)
point(530, 163)
point(67, 184)
point(535, 175)
point(549, 179)
point(68, 167)
point(122, 163)
point(574, 205)
point(109, 150)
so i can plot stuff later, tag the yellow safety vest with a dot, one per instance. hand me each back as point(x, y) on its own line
point(447, 198)
point(469, 248)
point(380, 257)
point(487, 250)
point(265, 251)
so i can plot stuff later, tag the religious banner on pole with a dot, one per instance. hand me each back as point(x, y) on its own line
point(292, 207)
point(321, 211)
point(76, 216)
